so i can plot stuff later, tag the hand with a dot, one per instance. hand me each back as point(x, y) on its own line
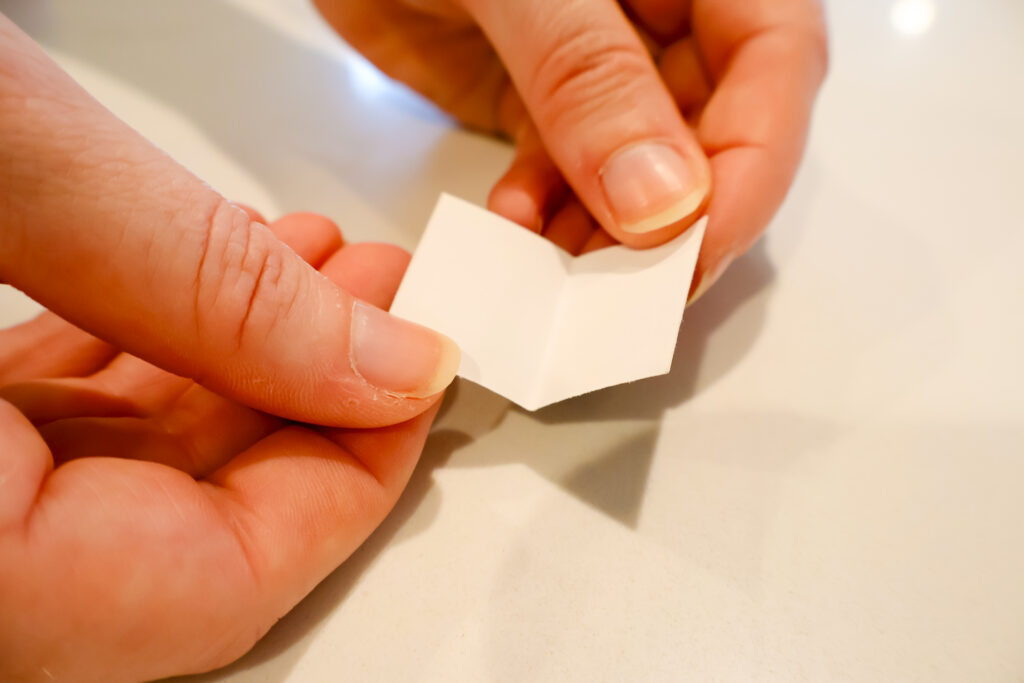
point(151, 527)
point(575, 85)
point(108, 232)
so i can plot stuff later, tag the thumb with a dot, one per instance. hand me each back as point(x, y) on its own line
point(110, 233)
point(603, 112)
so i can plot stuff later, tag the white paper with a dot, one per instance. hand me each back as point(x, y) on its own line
point(536, 324)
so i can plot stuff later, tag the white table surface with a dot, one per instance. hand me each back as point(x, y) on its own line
point(830, 483)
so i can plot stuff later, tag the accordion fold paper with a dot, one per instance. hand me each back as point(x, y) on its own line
point(536, 324)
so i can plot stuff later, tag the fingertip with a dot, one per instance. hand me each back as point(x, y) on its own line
point(401, 358)
point(598, 240)
point(512, 201)
point(312, 236)
point(684, 76)
point(664, 18)
point(449, 360)
point(531, 185)
point(571, 226)
point(369, 271)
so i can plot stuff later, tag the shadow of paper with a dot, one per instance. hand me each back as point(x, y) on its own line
point(617, 429)
point(719, 539)
point(743, 288)
point(718, 333)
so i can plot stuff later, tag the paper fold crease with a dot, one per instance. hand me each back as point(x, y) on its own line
point(536, 324)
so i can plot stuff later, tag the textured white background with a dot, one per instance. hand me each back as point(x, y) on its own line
point(830, 483)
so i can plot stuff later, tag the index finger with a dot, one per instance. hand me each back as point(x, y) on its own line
point(768, 58)
point(113, 235)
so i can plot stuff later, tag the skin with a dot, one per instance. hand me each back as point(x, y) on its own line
point(149, 526)
point(156, 515)
point(138, 541)
point(730, 83)
point(110, 233)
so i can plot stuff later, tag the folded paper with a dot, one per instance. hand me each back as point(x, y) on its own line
point(536, 324)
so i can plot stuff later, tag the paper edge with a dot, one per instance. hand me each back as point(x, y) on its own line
point(696, 231)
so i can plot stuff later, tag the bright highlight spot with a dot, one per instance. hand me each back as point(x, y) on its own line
point(364, 77)
point(912, 17)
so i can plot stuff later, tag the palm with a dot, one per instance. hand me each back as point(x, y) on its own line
point(177, 525)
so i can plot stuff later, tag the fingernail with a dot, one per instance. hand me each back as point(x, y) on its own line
point(398, 356)
point(649, 185)
point(711, 278)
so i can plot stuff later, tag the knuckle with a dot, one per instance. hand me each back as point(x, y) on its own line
point(262, 281)
point(584, 69)
point(243, 283)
